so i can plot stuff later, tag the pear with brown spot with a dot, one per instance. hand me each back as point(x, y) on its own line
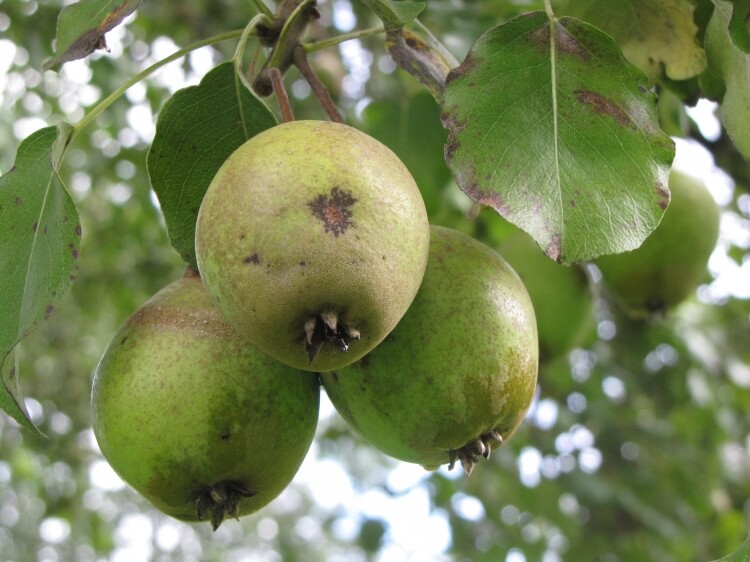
point(455, 378)
point(200, 423)
point(313, 240)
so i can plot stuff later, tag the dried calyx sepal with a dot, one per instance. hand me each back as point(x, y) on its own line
point(221, 500)
point(326, 328)
point(473, 451)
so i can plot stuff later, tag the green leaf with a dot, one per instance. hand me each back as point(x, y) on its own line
point(555, 130)
point(81, 27)
point(655, 36)
point(739, 25)
point(412, 130)
point(733, 67)
point(393, 13)
point(742, 554)
point(198, 128)
point(40, 238)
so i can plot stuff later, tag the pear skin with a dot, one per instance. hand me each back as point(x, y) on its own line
point(313, 239)
point(670, 264)
point(200, 423)
point(456, 377)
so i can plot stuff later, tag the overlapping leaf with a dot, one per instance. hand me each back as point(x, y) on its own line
point(657, 37)
point(40, 239)
point(742, 554)
point(739, 25)
point(81, 27)
point(554, 129)
point(196, 131)
point(732, 65)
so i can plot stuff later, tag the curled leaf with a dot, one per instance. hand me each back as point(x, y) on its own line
point(81, 27)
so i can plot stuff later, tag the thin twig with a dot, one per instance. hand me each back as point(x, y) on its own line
point(333, 41)
point(114, 96)
point(318, 88)
point(262, 8)
point(289, 29)
point(281, 96)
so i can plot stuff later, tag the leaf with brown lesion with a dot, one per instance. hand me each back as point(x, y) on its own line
point(81, 28)
point(550, 126)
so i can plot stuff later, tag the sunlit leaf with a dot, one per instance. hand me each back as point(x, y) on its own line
point(198, 128)
point(81, 27)
point(40, 238)
point(555, 130)
point(395, 13)
point(733, 66)
point(657, 37)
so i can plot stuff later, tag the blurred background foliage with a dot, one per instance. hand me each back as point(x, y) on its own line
point(637, 446)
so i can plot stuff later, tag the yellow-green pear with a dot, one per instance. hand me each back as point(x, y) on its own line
point(455, 378)
point(671, 263)
point(562, 296)
point(199, 422)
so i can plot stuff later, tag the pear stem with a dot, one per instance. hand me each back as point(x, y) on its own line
point(318, 88)
point(281, 96)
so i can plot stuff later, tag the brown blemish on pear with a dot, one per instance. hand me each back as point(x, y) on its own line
point(320, 204)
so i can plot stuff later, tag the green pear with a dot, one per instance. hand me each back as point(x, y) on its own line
point(455, 378)
point(562, 296)
point(192, 417)
point(671, 262)
point(313, 239)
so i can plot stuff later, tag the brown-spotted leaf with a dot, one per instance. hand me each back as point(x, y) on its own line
point(553, 128)
point(40, 238)
point(414, 49)
point(81, 27)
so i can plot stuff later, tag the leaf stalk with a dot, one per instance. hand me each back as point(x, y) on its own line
point(333, 41)
point(114, 96)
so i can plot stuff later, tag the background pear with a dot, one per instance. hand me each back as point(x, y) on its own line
point(562, 297)
point(313, 239)
point(200, 423)
point(671, 262)
point(457, 375)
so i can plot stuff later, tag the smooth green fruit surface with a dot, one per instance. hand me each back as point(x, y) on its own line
point(313, 239)
point(457, 375)
point(192, 417)
point(562, 297)
point(671, 262)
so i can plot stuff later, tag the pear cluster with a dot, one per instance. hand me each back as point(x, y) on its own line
point(316, 265)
